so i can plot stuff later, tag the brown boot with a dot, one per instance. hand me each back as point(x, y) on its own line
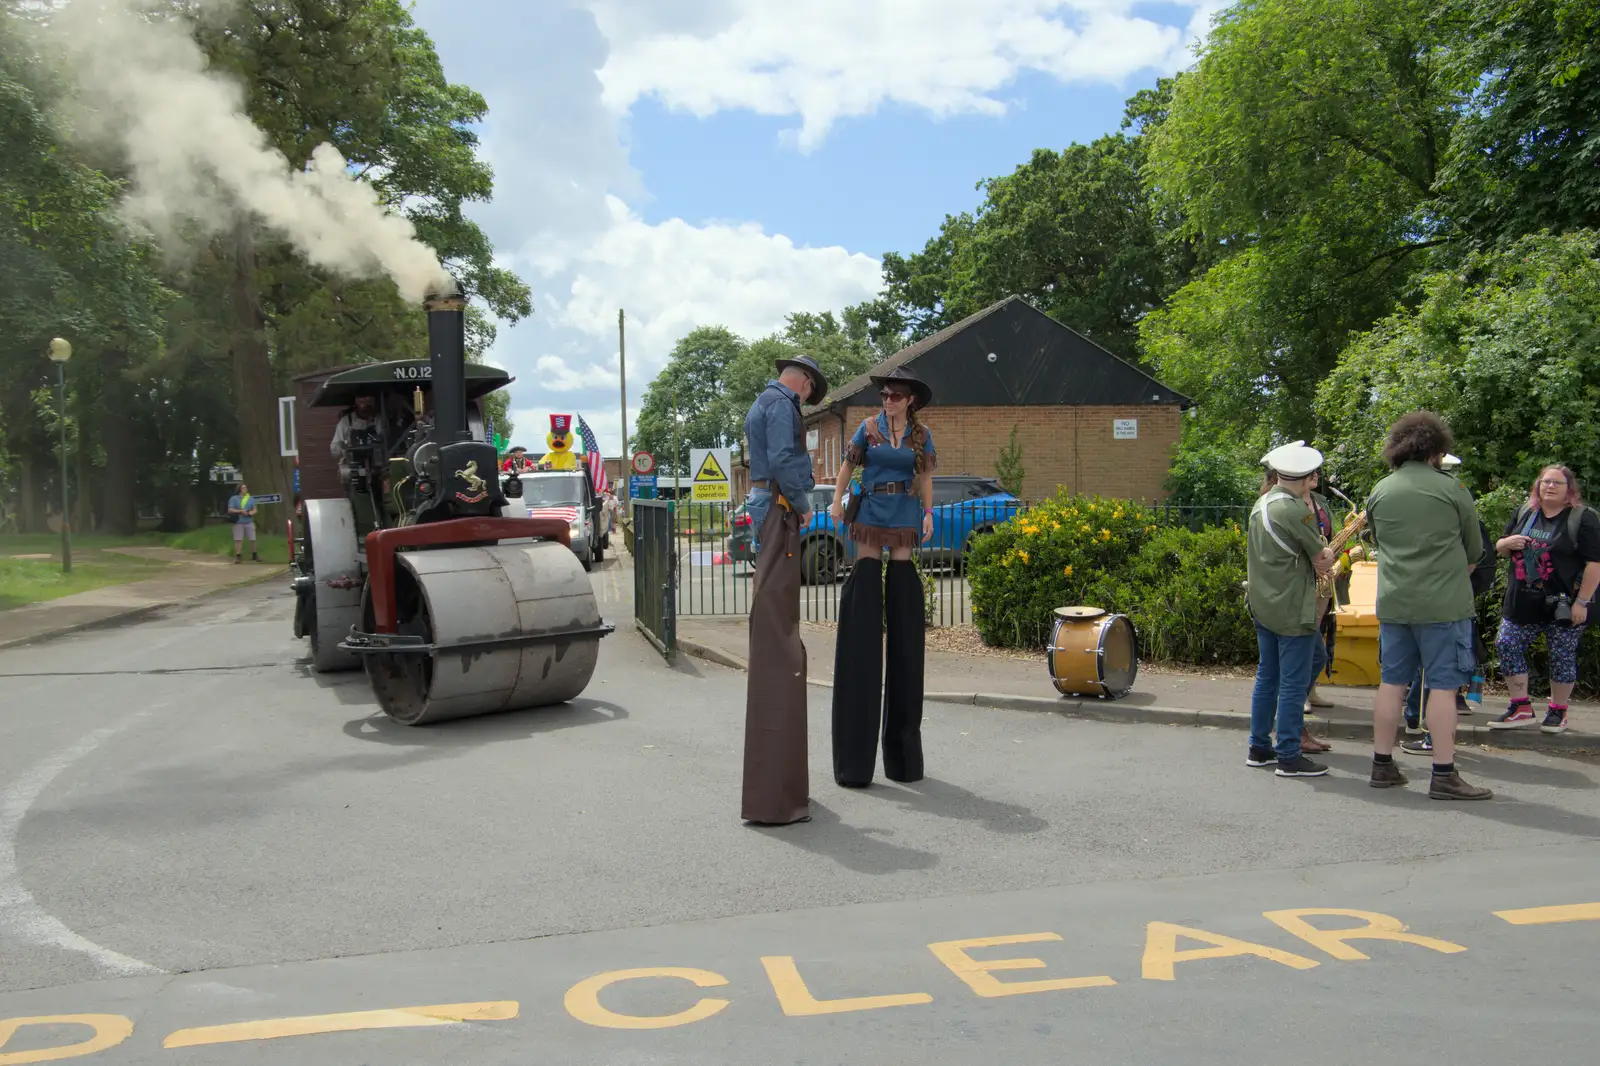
point(1386, 775)
point(1317, 699)
point(1311, 744)
point(1451, 787)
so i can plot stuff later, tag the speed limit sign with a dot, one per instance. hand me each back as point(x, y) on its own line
point(643, 462)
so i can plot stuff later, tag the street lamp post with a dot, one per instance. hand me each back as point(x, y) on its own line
point(60, 352)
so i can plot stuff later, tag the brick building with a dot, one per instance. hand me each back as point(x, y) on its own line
point(1086, 420)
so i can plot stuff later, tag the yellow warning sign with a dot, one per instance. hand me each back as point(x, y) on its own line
point(710, 481)
point(710, 470)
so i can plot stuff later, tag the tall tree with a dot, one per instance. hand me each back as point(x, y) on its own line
point(683, 405)
point(1505, 346)
point(360, 75)
point(1307, 142)
point(1526, 154)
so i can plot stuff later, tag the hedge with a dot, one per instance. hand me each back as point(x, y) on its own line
point(1182, 589)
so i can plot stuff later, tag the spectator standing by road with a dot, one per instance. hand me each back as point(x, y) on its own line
point(242, 513)
point(1425, 528)
point(1553, 542)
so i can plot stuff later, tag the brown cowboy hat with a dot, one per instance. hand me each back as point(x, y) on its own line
point(819, 384)
point(921, 391)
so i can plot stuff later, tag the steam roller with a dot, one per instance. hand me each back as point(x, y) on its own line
point(426, 571)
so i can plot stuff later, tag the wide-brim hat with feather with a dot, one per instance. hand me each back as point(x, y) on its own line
point(819, 384)
point(921, 391)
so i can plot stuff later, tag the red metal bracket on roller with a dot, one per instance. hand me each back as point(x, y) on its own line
point(382, 543)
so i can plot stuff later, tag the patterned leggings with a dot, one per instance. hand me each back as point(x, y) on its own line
point(1514, 638)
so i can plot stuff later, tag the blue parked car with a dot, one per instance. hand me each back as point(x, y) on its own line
point(963, 507)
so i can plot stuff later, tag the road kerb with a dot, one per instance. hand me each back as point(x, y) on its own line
point(1152, 714)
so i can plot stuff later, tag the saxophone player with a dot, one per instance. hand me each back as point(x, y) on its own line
point(1286, 553)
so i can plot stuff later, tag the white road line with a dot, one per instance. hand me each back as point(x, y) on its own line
point(20, 914)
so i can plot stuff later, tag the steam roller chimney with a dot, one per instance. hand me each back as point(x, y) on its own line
point(447, 357)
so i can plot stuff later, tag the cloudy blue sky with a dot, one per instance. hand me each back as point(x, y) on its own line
point(729, 161)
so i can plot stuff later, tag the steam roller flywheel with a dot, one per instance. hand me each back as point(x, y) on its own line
point(506, 627)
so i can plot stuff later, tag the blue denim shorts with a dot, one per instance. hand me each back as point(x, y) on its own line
point(1442, 649)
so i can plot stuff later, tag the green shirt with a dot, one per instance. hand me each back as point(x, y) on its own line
point(1282, 542)
point(1425, 527)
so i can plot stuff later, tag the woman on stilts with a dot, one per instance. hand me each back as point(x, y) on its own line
point(893, 510)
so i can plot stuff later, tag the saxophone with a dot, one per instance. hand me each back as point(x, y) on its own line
point(1353, 526)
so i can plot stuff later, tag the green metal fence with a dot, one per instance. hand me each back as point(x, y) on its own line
point(655, 565)
point(715, 552)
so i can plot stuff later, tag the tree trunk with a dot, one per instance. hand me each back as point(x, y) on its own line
point(255, 397)
point(120, 509)
point(30, 521)
point(83, 474)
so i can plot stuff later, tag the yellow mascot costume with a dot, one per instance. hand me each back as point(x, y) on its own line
point(560, 456)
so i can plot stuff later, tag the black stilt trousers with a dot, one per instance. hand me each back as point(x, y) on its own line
point(861, 684)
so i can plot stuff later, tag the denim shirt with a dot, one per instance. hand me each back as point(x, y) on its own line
point(776, 439)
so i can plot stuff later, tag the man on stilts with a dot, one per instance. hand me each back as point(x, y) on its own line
point(776, 780)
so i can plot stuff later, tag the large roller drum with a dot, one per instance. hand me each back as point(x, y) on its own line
point(499, 628)
point(333, 604)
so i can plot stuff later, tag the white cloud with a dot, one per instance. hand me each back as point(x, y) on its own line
point(673, 276)
point(560, 75)
point(823, 60)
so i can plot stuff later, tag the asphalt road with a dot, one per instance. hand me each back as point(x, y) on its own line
point(203, 845)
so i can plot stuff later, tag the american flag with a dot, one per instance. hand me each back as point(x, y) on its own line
point(591, 455)
point(566, 514)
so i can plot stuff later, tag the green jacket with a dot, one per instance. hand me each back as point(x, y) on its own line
point(1283, 540)
point(1425, 527)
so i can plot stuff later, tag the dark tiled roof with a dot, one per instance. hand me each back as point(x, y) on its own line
point(905, 355)
point(1047, 362)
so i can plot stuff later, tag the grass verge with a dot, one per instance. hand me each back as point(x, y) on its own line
point(24, 581)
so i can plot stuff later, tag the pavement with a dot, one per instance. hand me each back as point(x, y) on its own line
point(209, 854)
point(190, 575)
point(1159, 696)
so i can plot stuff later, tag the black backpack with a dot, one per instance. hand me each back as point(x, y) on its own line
point(1574, 519)
point(1483, 573)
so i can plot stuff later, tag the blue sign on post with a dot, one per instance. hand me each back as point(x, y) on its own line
point(271, 498)
point(642, 486)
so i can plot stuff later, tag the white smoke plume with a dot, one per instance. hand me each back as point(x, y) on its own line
point(196, 158)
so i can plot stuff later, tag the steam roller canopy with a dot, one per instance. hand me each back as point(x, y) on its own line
point(502, 628)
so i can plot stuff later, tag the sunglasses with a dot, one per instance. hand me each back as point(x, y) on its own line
point(891, 395)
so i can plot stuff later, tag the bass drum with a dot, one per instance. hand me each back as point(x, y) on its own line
point(1093, 653)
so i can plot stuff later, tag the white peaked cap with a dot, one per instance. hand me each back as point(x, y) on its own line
point(1450, 460)
point(1293, 460)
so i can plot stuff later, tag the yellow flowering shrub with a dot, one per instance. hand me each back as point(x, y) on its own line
point(1182, 588)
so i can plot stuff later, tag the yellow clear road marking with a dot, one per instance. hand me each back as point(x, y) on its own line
point(798, 1002)
point(1571, 912)
point(1161, 952)
point(1378, 927)
point(109, 1031)
point(976, 972)
point(310, 1025)
point(583, 999)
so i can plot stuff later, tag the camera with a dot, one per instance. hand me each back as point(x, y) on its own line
point(1563, 608)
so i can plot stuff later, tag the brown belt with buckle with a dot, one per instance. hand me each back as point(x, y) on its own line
point(763, 484)
point(893, 488)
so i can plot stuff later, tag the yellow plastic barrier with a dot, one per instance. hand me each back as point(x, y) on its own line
point(1355, 650)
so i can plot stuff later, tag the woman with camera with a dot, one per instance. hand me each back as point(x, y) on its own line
point(1553, 542)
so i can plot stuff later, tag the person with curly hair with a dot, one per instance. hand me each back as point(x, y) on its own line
point(1425, 528)
point(1553, 542)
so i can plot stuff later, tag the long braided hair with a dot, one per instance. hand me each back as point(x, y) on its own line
point(916, 437)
